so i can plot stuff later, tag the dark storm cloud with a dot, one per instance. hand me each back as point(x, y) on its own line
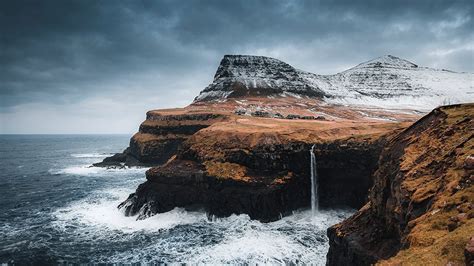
point(71, 53)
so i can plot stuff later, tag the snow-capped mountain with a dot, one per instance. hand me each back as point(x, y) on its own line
point(387, 81)
point(244, 75)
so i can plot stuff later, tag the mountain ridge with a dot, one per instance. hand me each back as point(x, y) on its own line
point(386, 81)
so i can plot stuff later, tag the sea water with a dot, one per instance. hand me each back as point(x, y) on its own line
point(56, 209)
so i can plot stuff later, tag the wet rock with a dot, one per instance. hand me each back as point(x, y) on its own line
point(266, 182)
point(186, 184)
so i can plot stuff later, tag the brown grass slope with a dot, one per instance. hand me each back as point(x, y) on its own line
point(420, 208)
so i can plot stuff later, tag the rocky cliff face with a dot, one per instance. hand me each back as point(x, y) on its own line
point(420, 208)
point(267, 87)
point(160, 136)
point(243, 75)
point(243, 147)
point(261, 167)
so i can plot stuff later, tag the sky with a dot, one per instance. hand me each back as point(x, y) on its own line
point(98, 66)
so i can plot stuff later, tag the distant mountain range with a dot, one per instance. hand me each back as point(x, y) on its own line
point(387, 81)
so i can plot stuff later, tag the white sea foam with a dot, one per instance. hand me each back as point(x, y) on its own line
point(101, 212)
point(188, 237)
point(299, 238)
point(90, 155)
point(90, 170)
point(251, 245)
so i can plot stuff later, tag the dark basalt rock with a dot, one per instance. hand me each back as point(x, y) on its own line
point(164, 135)
point(125, 158)
point(185, 184)
point(344, 172)
point(245, 75)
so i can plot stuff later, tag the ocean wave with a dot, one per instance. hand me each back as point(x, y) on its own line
point(299, 238)
point(90, 155)
point(181, 236)
point(100, 212)
point(86, 170)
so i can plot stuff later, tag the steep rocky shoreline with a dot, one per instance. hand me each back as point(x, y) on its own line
point(242, 147)
point(231, 168)
point(160, 137)
point(420, 208)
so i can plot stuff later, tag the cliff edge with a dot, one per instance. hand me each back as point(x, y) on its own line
point(420, 207)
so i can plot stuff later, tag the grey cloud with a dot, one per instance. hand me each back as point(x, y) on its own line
point(70, 52)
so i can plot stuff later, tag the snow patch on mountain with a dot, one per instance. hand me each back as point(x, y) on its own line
point(387, 81)
point(244, 75)
point(391, 82)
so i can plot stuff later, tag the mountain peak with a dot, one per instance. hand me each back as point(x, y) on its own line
point(250, 66)
point(249, 75)
point(389, 61)
point(383, 81)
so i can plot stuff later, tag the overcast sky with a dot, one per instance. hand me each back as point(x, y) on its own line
point(98, 66)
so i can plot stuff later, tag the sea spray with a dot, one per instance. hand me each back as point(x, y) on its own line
point(314, 183)
point(83, 209)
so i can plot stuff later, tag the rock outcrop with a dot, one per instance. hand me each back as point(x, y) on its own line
point(243, 75)
point(420, 207)
point(261, 167)
point(160, 137)
point(267, 87)
point(243, 147)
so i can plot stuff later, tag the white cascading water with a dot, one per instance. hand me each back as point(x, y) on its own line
point(314, 183)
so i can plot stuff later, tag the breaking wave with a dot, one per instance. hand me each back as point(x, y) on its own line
point(189, 237)
point(90, 155)
point(61, 210)
point(87, 169)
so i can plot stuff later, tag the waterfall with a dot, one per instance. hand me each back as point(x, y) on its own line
point(314, 183)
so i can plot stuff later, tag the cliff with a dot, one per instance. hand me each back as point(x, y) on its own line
point(385, 89)
point(243, 147)
point(160, 136)
point(260, 166)
point(420, 207)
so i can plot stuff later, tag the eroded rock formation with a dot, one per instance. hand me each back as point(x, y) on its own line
point(420, 208)
point(260, 167)
point(160, 136)
point(243, 147)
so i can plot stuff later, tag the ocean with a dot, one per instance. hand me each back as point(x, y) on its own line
point(56, 209)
